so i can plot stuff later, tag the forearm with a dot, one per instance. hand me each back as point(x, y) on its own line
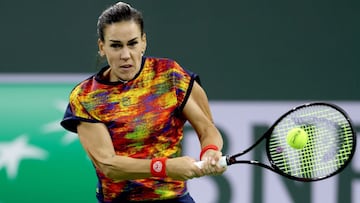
point(124, 168)
point(211, 136)
point(197, 110)
point(120, 168)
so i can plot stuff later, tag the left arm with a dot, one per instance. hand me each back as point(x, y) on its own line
point(198, 113)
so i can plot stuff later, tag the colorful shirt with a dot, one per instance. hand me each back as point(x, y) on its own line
point(144, 120)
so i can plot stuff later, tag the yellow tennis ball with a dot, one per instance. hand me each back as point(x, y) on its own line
point(297, 138)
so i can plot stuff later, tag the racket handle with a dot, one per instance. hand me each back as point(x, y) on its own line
point(222, 162)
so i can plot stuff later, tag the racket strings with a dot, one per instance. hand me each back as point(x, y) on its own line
point(329, 145)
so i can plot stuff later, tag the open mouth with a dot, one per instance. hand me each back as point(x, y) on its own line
point(126, 66)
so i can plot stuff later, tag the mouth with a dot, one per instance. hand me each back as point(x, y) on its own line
point(126, 66)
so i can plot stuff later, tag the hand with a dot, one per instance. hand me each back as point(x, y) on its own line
point(182, 168)
point(211, 165)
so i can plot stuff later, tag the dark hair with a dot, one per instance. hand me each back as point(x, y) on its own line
point(117, 13)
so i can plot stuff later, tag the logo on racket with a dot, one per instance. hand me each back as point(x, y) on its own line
point(157, 166)
point(279, 149)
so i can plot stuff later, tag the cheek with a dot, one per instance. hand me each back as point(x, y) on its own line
point(111, 55)
point(136, 53)
point(138, 57)
point(110, 59)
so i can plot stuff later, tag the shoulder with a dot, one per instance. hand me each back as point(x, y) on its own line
point(165, 64)
point(170, 64)
point(160, 62)
point(83, 85)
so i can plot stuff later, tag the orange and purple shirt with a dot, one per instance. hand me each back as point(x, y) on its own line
point(144, 120)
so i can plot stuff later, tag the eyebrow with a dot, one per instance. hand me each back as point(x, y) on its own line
point(118, 41)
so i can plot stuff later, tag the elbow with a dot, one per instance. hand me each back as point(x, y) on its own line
point(109, 172)
point(105, 165)
point(108, 169)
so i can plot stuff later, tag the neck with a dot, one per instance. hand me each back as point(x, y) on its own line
point(111, 78)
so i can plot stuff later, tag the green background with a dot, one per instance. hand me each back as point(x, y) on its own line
point(27, 109)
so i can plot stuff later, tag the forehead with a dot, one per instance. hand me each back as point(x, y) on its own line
point(122, 31)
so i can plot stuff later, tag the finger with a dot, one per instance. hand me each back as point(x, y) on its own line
point(205, 164)
point(213, 161)
point(195, 175)
point(209, 170)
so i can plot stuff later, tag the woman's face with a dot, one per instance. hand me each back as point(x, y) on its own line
point(123, 47)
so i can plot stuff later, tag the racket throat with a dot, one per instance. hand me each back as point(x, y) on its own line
point(230, 160)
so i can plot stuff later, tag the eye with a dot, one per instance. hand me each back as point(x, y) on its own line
point(132, 43)
point(115, 45)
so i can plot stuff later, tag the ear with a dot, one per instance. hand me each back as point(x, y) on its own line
point(144, 42)
point(101, 48)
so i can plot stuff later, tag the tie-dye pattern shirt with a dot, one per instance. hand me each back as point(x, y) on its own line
point(144, 120)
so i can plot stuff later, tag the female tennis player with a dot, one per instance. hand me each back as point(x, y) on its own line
point(130, 117)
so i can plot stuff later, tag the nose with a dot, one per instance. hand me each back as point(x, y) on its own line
point(125, 53)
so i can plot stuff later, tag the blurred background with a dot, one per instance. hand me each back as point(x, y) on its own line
point(256, 60)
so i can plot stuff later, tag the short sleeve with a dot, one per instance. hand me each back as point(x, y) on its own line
point(184, 82)
point(74, 113)
point(69, 121)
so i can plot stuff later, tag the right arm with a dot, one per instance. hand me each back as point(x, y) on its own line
point(97, 143)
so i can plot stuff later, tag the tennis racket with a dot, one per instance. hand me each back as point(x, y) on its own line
point(329, 148)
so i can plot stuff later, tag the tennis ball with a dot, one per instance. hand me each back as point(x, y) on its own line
point(297, 138)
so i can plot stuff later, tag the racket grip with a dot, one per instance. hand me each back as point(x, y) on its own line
point(222, 162)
